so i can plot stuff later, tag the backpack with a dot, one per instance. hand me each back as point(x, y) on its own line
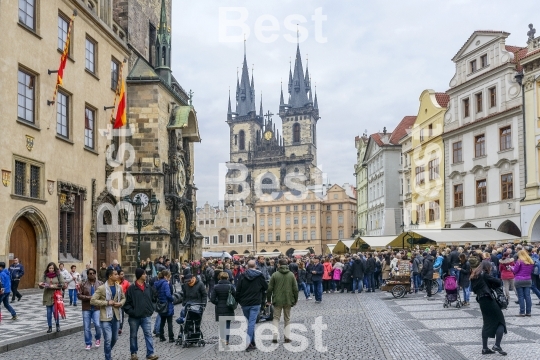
point(420, 264)
point(536, 269)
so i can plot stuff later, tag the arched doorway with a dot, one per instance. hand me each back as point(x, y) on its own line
point(468, 226)
point(234, 252)
point(23, 245)
point(290, 252)
point(510, 227)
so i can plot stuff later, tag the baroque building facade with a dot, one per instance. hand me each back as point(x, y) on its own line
point(53, 157)
point(261, 160)
point(162, 129)
point(382, 161)
point(230, 229)
point(483, 136)
point(360, 172)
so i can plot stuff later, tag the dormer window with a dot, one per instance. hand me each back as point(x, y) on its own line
point(472, 65)
point(483, 60)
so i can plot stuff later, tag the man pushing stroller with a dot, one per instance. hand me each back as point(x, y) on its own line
point(194, 292)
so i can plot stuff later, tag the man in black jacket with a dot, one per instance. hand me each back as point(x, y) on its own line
point(427, 271)
point(369, 271)
point(316, 270)
point(454, 262)
point(140, 309)
point(250, 292)
point(357, 274)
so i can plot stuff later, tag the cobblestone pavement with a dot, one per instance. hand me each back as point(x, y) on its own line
point(359, 326)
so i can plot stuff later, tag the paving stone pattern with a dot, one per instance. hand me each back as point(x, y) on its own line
point(360, 326)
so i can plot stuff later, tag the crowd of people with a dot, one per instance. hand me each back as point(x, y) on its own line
point(261, 283)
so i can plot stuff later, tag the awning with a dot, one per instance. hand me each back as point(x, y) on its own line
point(330, 248)
point(463, 236)
point(268, 254)
point(343, 246)
point(300, 252)
point(216, 254)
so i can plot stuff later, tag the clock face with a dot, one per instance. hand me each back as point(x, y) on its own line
point(268, 135)
point(143, 197)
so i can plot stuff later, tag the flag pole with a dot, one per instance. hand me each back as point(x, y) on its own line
point(117, 92)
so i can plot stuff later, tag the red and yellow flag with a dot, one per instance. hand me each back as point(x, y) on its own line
point(63, 59)
point(121, 117)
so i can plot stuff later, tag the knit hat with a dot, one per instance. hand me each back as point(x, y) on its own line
point(138, 273)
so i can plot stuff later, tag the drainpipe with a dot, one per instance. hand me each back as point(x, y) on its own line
point(519, 79)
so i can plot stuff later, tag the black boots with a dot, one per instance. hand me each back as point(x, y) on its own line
point(50, 330)
point(57, 327)
point(162, 338)
point(487, 351)
point(498, 349)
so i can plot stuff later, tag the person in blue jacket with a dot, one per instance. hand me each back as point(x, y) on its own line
point(164, 290)
point(437, 267)
point(5, 279)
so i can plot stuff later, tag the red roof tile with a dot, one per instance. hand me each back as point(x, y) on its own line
point(443, 99)
point(530, 54)
point(401, 130)
point(377, 138)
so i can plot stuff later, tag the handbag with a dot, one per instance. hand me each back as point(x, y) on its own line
point(162, 307)
point(498, 295)
point(231, 301)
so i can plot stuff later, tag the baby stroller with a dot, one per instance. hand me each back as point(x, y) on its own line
point(452, 292)
point(266, 313)
point(190, 327)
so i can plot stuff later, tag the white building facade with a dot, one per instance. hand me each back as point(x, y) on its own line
point(482, 136)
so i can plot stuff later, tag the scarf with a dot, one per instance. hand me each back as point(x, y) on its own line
point(51, 275)
point(108, 296)
point(192, 281)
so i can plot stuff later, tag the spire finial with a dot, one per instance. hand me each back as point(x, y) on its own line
point(245, 45)
point(298, 34)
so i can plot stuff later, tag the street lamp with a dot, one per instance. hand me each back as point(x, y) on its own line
point(139, 223)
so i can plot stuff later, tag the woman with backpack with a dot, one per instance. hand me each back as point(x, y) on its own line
point(522, 281)
point(494, 324)
point(507, 275)
point(219, 298)
point(52, 281)
point(164, 292)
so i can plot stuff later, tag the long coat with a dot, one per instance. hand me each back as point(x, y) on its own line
point(48, 292)
point(386, 268)
point(464, 275)
point(219, 298)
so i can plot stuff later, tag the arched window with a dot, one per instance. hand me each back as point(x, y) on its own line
point(267, 186)
point(164, 56)
point(296, 133)
point(242, 142)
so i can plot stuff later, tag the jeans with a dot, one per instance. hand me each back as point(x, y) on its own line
point(304, 286)
point(371, 282)
point(508, 286)
point(454, 272)
point(326, 285)
point(417, 279)
point(90, 316)
point(357, 284)
point(440, 282)
point(225, 334)
point(50, 316)
point(146, 325)
point(334, 284)
point(14, 289)
point(310, 288)
point(534, 287)
point(123, 315)
point(376, 278)
point(5, 300)
point(73, 296)
point(168, 320)
point(110, 335)
point(466, 293)
point(366, 281)
point(317, 289)
point(157, 325)
point(524, 298)
point(250, 313)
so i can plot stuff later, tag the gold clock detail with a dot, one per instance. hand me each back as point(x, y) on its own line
point(268, 135)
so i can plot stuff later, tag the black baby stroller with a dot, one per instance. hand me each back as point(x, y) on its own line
point(266, 313)
point(452, 292)
point(190, 328)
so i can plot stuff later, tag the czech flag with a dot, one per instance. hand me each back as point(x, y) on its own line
point(121, 117)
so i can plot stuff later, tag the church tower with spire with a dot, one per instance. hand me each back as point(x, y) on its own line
point(163, 47)
point(256, 143)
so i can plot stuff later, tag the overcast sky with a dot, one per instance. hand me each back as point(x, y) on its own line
point(377, 59)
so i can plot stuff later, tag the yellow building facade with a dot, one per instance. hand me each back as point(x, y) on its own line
point(427, 161)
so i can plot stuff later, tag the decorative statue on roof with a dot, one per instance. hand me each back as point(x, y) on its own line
point(531, 32)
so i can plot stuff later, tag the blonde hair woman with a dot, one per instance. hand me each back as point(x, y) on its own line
point(522, 282)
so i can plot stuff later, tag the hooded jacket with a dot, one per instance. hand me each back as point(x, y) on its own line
point(370, 266)
point(427, 268)
point(164, 293)
point(195, 294)
point(5, 279)
point(283, 288)
point(251, 288)
point(357, 269)
point(506, 274)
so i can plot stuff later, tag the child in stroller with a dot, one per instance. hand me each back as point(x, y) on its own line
point(452, 292)
point(190, 325)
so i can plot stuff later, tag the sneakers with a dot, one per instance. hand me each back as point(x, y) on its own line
point(317, 302)
point(98, 342)
point(88, 347)
point(134, 357)
point(152, 357)
point(251, 347)
point(14, 317)
point(309, 298)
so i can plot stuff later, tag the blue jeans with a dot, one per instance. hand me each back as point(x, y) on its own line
point(417, 278)
point(440, 282)
point(366, 281)
point(73, 296)
point(110, 335)
point(371, 282)
point(454, 272)
point(310, 288)
point(50, 316)
point(466, 293)
point(5, 300)
point(524, 298)
point(317, 289)
point(146, 325)
point(304, 286)
point(534, 286)
point(357, 284)
point(250, 313)
point(157, 324)
point(90, 316)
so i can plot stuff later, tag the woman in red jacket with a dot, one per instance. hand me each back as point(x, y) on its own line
point(327, 275)
point(507, 275)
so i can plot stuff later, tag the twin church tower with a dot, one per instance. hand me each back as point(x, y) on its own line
point(275, 163)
